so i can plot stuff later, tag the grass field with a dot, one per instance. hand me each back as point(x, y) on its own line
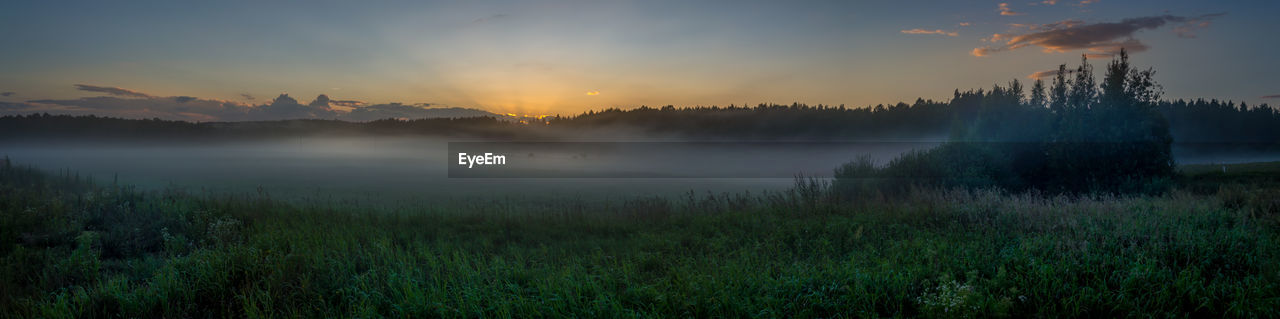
point(72, 248)
point(1260, 168)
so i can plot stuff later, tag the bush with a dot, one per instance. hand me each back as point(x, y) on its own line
point(951, 165)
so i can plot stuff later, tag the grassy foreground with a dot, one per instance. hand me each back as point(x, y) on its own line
point(70, 248)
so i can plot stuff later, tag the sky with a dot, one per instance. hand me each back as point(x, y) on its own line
point(233, 60)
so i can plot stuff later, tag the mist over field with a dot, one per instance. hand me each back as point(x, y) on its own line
point(416, 167)
point(405, 167)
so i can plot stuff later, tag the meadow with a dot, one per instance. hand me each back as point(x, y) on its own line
point(72, 247)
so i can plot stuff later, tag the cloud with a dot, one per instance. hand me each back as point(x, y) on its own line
point(177, 108)
point(190, 108)
point(1005, 11)
point(964, 24)
point(923, 31)
point(324, 102)
point(403, 111)
point(186, 108)
point(1098, 38)
point(246, 96)
point(1042, 74)
point(1087, 2)
point(111, 90)
point(1049, 2)
point(7, 94)
point(1273, 96)
point(1189, 27)
point(13, 106)
point(284, 107)
point(347, 103)
point(593, 92)
point(321, 101)
point(1047, 74)
point(1048, 26)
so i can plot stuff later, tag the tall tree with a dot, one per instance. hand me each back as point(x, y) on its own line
point(1037, 94)
point(1058, 93)
point(1142, 87)
point(1083, 90)
point(1015, 91)
point(1114, 90)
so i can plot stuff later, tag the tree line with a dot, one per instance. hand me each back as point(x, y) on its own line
point(1003, 112)
point(1197, 121)
point(89, 127)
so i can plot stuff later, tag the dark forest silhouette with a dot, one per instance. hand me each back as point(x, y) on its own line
point(1195, 121)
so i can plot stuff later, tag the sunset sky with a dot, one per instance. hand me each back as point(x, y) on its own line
point(207, 60)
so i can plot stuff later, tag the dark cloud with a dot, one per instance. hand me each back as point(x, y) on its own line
point(191, 108)
point(7, 94)
point(246, 96)
point(321, 101)
point(347, 103)
point(402, 111)
point(1189, 27)
point(284, 107)
point(111, 90)
point(12, 106)
point(1273, 96)
point(175, 108)
point(1100, 39)
point(284, 100)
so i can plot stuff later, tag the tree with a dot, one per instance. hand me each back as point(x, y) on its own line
point(1112, 140)
point(1058, 93)
point(1114, 91)
point(1015, 91)
point(1083, 89)
point(1038, 98)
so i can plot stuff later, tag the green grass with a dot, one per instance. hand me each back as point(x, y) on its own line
point(1258, 168)
point(70, 248)
point(1262, 177)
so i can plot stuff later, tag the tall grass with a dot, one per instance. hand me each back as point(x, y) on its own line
point(70, 248)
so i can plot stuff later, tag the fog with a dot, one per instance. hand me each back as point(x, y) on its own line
point(383, 168)
point(419, 167)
